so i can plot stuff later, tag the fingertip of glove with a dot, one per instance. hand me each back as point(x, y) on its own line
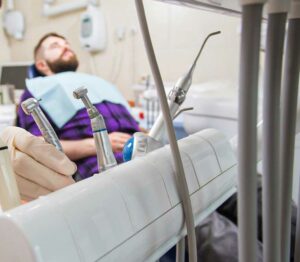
point(71, 168)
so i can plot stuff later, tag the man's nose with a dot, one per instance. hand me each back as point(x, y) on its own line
point(66, 46)
point(66, 49)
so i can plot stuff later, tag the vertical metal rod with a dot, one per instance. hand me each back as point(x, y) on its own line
point(249, 62)
point(271, 125)
point(287, 130)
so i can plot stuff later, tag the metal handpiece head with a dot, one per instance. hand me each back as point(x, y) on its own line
point(80, 92)
point(29, 105)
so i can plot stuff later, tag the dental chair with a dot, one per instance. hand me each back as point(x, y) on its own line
point(32, 72)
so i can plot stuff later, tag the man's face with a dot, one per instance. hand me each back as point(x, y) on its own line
point(58, 55)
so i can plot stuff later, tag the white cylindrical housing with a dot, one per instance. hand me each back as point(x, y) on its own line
point(132, 212)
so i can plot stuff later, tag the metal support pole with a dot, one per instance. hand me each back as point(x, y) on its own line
point(288, 126)
point(271, 125)
point(249, 61)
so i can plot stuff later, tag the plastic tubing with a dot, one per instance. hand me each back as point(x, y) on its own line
point(183, 188)
point(247, 133)
point(271, 127)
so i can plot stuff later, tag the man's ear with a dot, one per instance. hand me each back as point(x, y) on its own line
point(42, 66)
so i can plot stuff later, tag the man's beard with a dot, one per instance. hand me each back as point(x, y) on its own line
point(61, 65)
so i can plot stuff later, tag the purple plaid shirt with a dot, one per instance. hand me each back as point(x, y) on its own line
point(116, 117)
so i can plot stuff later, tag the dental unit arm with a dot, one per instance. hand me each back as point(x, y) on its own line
point(31, 107)
point(105, 156)
point(142, 143)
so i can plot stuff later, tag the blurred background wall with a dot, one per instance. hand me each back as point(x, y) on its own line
point(177, 34)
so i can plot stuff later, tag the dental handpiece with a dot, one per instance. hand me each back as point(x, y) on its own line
point(105, 156)
point(178, 94)
point(31, 107)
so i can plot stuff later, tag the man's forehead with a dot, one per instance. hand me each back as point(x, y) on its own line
point(52, 39)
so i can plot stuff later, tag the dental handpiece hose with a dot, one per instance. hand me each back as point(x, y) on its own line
point(105, 156)
point(31, 107)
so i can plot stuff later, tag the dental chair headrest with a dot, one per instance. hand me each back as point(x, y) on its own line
point(32, 72)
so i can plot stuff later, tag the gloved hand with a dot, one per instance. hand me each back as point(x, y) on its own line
point(39, 167)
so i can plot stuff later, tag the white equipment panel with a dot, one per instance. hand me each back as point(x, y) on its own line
point(130, 213)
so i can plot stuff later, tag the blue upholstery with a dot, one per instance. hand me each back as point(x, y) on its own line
point(32, 72)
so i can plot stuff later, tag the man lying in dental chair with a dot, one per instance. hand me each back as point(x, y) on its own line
point(57, 63)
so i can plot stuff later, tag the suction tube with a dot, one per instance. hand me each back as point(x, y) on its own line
point(288, 125)
point(184, 192)
point(271, 126)
point(248, 93)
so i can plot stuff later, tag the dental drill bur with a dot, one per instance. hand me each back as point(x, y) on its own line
point(105, 156)
point(31, 107)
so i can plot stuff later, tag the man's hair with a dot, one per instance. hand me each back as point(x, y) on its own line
point(38, 49)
